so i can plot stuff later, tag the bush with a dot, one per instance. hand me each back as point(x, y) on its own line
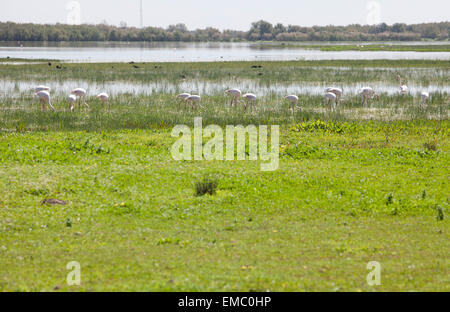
point(206, 186)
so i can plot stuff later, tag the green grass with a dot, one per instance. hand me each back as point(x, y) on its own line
point(344, 194)
point(342, 71)
point(353, 186)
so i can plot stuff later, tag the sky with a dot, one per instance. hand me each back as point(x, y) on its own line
point(229, 14)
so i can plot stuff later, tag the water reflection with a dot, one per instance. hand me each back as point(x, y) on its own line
point(192, 52)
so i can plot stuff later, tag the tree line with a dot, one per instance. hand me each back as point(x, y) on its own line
point(260, 30)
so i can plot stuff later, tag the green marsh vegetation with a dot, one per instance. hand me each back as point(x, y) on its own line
point(350, 188)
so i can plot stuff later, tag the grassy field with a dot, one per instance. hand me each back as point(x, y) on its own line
point(350, 188)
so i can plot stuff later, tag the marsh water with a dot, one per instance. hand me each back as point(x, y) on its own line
point(195, 52)
point(60, 88)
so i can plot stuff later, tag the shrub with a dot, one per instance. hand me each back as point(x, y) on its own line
point(206, 186)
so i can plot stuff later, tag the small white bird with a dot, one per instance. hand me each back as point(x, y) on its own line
point(331, 98)
point(366, 94)
point(72, 99)
point(235, 95)
point(44, 97)
point(251, 99)
point(182, 97)
point(293, 100)
point(81, 94)
point(425, 96)
point(42, 88)
point(194, 100)
point(104, 98)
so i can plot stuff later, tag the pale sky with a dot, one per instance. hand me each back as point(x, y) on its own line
point(229, 14)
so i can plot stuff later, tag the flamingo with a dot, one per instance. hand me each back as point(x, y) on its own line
point(337, 91)
point(72, 99)
point(403, 87)
point(293, 100)
point(194, 99)
point(182, 96)
point(80, 93)
point(251, 98)
point(235, 95)
point(44, 97)
point(331, 98)
point(104, 98)
point(42, 88)
point(425, 96)
point(367, 93)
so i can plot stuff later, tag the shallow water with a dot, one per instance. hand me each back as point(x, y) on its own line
point(60, 88)
point(191, 52)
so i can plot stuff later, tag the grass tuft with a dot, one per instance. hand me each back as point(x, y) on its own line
point(207, 185)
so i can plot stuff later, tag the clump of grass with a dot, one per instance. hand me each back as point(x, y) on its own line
point(207, 185)
point(431, 146)
point(440, 213)
point(390, 199)
point(424, 194)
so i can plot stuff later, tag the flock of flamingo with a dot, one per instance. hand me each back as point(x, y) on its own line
point(43, 93)
point(333, 96)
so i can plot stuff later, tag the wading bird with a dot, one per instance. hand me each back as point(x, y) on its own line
point(293, 101)
point(235, 95)
point(81, 94)
point(367, 93)
point(251, 99)
point(337, 91)
point(331, 100)
point(403, 87)
point(194, 100)
point(42, 88)
point(182, 97)
point(425, 96)
point(104, 98)
point(72, 99)
point(44, 97)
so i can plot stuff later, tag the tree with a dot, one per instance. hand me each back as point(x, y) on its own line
point(260, 28)
point(399, 28)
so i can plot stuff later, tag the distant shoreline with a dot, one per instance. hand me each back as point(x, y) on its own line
point(259, 31)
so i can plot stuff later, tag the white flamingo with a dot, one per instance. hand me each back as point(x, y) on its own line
point(182, 97)
point(194, 100)
point(251, 99)
point(72, 99)
point(366, 94)
point(104, 97)
point(235, 95)
point(44, 97)
point(42, 88)
point(293, 101)
point(425, 96)
point(81, 94)
point(331, 100)
point(403, 87)
point(337, 91)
